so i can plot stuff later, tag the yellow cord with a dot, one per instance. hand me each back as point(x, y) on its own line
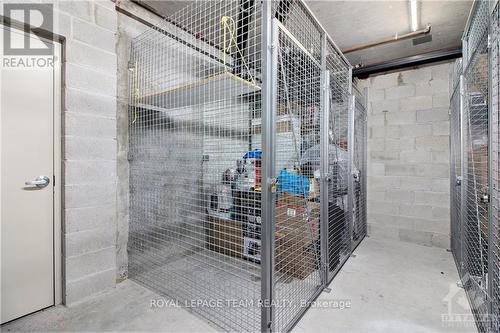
point(229, 25)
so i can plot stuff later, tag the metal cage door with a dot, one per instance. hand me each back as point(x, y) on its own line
point(475, 219)
point(297, 248)
point(358, 182)
point(456, 165)
point(339, 109)
point(494, 167)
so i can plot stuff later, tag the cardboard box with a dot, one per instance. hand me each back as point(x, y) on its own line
point(296, 236)
point(292, 214)
point(296, 258)
point(225, 236)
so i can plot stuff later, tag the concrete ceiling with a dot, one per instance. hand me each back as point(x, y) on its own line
point(351, 23)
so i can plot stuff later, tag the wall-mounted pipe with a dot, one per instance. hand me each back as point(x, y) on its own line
point(393, 39)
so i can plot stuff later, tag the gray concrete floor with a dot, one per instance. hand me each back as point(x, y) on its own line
point(391, 287)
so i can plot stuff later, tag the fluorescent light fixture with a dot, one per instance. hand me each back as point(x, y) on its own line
point(414, 15)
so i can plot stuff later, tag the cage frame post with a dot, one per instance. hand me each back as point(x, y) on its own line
point(324, 157)
point(463, 187)
point(350, 147)
point(269, 95)
point(492, 224)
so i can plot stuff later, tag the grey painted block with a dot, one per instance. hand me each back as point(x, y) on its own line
point(400, 92)
point(400, 170)
point(417, 75)
point(399, 144)
point(376, 95)
point(440, 157)
point(440, 212)
point(431, 87)
point(400, 117)
point(419, 211)
point(80, 219)
point(434, 170)
point(79, 243)
point(415, 183)
point(385, 81)
point(79, 172)
point(382, 156)
point(62, 23)
point(77, 148)
point(416, 103)
point(433, 143)
point(432, 199)
point(383, 207)
point(401, 196)
point(83, 78)
point(78, 290)
point(82, 9)
point(435, 225)
point(89, 195)
point(440, 185)
point(91, 57)
point(384, 132)
point(376, 144)
point(105, 16)
point(385, 106)
point(376, 169)
point(415, 130)
point(377, 119)
point(441, 100)
point(90, 263)
point(377, 183)
point(441, 128)
point(84, 125)
point(85, 102)
point(442, 71)
point(415, 156)
point(432, 115)
point(94, 35)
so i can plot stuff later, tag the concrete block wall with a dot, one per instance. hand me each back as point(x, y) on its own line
point(408, 155)
point(89, 146)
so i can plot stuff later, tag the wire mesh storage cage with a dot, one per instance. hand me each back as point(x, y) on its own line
point(247, 161)
point(474, 123)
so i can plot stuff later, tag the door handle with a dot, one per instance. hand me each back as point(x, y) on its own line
point(40, 182)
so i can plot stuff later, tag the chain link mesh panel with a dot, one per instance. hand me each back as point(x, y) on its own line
point(359, 172)
point(475, 132)
point(194, 168)
point(495, 168)
point(339, 240)
point(476, 29)
point(456, 163)
point(475, 228)
point(297, 239)
point(196, 140)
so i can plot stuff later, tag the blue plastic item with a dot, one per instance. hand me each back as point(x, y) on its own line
point(293, 183)
point(257, 154)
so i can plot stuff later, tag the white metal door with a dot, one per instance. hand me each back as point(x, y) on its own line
point(27, 192)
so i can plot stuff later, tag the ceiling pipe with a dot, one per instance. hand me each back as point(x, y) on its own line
point(405, 62)
point(393, 39)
